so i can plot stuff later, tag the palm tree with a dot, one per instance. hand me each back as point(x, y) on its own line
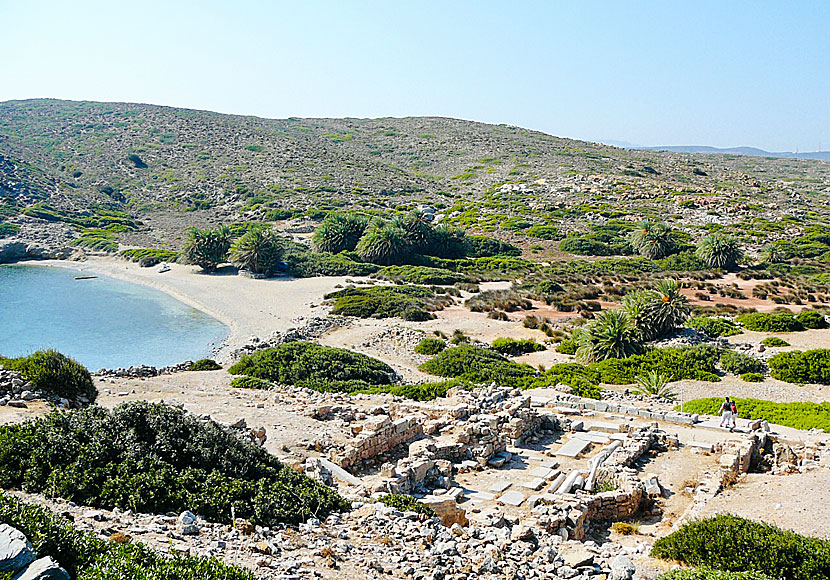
point(652, 240)
point(669, 309)
point(206, 248)
point(383, 244)
point(448, 242)
point(259, 251)
point(773, 253)
point(720, 251)
point(418, 229)
point(655, 384)
point(636, 306)
point(339, 233)
point(610, 335)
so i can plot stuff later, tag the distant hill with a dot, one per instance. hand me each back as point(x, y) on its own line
point(750, 151)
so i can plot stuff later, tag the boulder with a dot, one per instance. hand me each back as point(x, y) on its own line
point(43, 569)
point(447, 509)
point(622, 568)
point(15, 550)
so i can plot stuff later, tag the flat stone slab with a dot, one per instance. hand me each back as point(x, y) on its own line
point(15, 550)
point(567, 411)
point(535, 484)
point(514, 498)
point(542, 472)
point(550, 464)
point(592, 437)
point(44, 569)
point(573, 448)
point(539, 401)
point(618, 436)
point(479, 495)
point(605, 427)
point(340, 473)
point(709, 447)
point(500, 486)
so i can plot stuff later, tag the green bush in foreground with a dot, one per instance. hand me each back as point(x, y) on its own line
point(774, 341)
point(430, 346)
point(155, 458)
point(753, 377)
point(714, 327)
point(516, 347)
point(811, 319)
point(298, 363)
point(205, 364)
point(811, 366)
point(250, 383)
point(735, 544)
point(406, 503)
point(52, 372)
point(769, 322)
point(709, 574)
point(86, 557)
point(696, 362)
point(796, 415)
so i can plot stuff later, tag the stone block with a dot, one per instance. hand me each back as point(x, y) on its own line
point(513, 498)
point(15, 550)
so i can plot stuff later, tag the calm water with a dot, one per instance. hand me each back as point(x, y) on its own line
point(102, 322)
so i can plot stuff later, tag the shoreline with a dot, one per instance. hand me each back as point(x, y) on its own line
point(248, 307)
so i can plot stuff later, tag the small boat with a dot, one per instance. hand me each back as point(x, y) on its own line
point(85, 277)
point(163, 268)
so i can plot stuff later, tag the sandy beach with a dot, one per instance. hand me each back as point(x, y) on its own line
point(248, 307)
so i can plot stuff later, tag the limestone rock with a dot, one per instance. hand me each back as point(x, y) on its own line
point(15, 550)
point(43, 569)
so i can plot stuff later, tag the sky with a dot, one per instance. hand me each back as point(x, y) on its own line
point(720, 73)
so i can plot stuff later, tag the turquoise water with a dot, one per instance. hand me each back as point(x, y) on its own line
point(102, 322)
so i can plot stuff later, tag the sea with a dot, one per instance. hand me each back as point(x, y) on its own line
point(100, 322)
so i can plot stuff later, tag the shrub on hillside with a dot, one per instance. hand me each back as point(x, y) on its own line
point(611, 335)
point(720, 251)
point(430, 346)
point(769, 322)
point(738, 363)
point(51, 372)
point(156, 458)
point(297, 363)
point(714, 327)
point(795, 415)
point(477, 365)
point(734, 544)
point(812, 366)
point(338, 233)
point(489, 300)
point(205, 364)
point(696, 362)
point(383, 244)
point(259, 251)
point(774, 341)
point(710, 574)
point(753, 377)
point(420, 275)
point(147, 257)
point(811, 319)
point(514, 347)
point(87, 557)
point(652, 240)
point(406, 503)
point(245, 382)
point(414, 303)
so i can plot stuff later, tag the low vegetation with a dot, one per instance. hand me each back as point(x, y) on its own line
point(87, 557)
point(733, 544)
point(414, 303)
point(770, 322)
point(406, 503)
point(54, 373)
point(205, 364)
point(811, 366)
point(430, 346)
point(714, 327)
point(258, 251)
point(206, 248)
point(774, 341)
point(420, 275)
point(155, 458)
point(738, 363)
point(796, 415)
point(516, 347)
point(147, 257)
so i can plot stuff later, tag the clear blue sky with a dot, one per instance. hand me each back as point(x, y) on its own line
point(719, 72)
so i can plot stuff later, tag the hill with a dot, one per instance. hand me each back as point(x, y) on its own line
point(750, 151)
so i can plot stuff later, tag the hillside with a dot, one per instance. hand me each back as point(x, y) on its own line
point(169, 168)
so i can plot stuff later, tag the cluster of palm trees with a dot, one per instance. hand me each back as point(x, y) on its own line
point(259, 250)
point(645, 315)
point(655, 240)
point(389, 242)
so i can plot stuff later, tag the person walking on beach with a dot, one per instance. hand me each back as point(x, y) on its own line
point(726, 413)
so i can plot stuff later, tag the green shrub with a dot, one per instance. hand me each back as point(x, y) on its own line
point(51, 372)
point(611, 335)
point(652, 240)
point(568, 345)
point(297, 363)
point(406, 503)
point(430, 346)
point(303, 263)
point(709, 574)
point(696, 362)
point(734, 544)
point(338, 233)
point(156, 458)
point(408, 302)
point(811, 319)
point(150, 256)
point(484, 247)
point(420, 275)
point(769, 322)
point(205, 364)
point(720, 251)
point(383, 244)
point(206, 248)
point(245, 382)
point(7, 229)
point(86, 557)
point(714, 327)
point(514, 347)
point(477, 365)
point(585, 246)
point(544, 232)
point(582, 380)
point(774, 341)
point(658, 311)
point(796, 415)
point(753, 377)
point(812, 366)
point(489, 300)
point(739, 363)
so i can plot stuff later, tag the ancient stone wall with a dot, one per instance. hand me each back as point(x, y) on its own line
point(380, 435)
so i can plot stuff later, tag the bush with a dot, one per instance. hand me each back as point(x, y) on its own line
point(53, 373)
point(739, 363)
point(714, 327)
point(623, 528)
point(812, 366)
point(420, 275)
point(709, 574)
point(477, 365)
point(383, 244)
point(298, 363)
point(338, 233)
point(430, 346)
point(7, 229)
point(86, 557)
point(150, 256)
point(250, 383)
point(514, 347)
point(156, 458)
point(206, 248)
point(652, 240)
point(406, 503)
point(753, 377)
point(774, 341)
point(734, 544)
point(796, 415)
point(506, 300)
point(484, 247)
point(811, 319)
point(205, 364)
point(303, 263)
point(585, 246)
point(408, 302)
point(696, 362)
point(769, 322)
point(259, 251)
point(568, 345)
point(582, 380)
